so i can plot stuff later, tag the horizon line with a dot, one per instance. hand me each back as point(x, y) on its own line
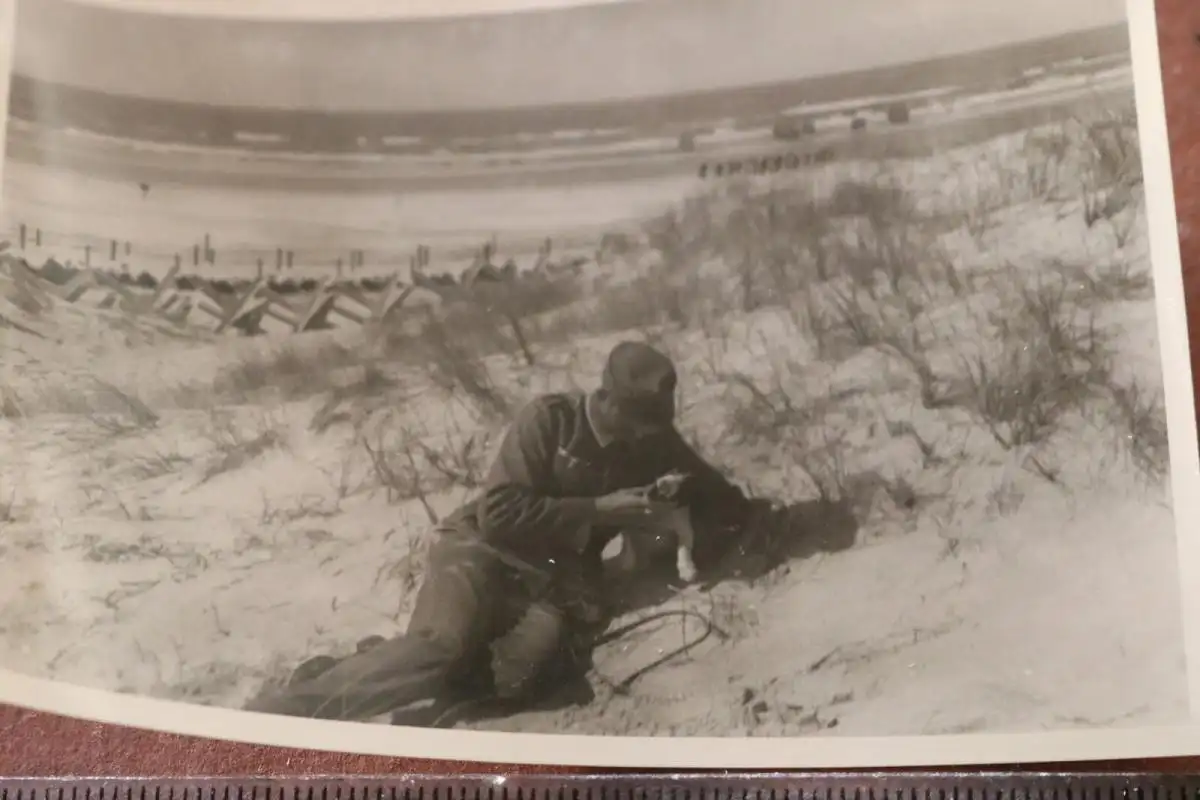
point(18, 75)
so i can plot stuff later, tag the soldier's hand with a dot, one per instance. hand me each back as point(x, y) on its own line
point(632, 507)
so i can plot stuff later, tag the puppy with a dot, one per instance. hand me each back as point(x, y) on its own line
point(637, 546)
point(668, 489)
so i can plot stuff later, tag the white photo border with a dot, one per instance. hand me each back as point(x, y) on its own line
point(712, 752)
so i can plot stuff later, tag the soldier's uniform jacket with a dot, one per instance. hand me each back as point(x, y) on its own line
point(541, 489)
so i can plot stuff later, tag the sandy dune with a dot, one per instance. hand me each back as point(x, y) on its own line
point(209, 512)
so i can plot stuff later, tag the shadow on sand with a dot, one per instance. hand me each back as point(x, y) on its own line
point(774, 537)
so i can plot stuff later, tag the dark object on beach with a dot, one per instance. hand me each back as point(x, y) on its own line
point(898, 114)
point(786, 129)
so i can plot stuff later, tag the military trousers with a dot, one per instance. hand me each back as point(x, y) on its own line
point(478, 625)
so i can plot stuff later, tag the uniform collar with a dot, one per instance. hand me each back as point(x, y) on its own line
point(589, 412)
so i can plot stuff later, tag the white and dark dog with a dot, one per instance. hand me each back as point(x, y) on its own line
point(638, 547)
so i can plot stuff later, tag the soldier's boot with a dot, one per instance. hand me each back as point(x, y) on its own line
point(393, 674)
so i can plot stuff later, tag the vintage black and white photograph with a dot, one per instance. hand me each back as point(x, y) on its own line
point(657, 368)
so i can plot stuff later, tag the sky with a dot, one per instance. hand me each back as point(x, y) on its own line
point(601, 51)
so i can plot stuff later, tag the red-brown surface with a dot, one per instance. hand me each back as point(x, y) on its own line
point(34, 744)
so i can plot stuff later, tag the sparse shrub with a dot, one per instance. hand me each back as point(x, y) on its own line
point(1046, 154)
point(295, 370)
point(454, 366)
point(615, 245)
point(351, 402)
point(1112, 168)
point(883, 201)
point(232, 447)
point(458, 463)
point(775, 415)
point(682, 236)
point(1048, 359)
point(136, 414)
point(157, 464)
point(646, 302)
point(1141, 420)
point(397, 470)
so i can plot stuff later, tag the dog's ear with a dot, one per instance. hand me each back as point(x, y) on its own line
point(687, 492)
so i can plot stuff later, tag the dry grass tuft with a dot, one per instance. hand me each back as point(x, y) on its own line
point(289, 372)
point(1049, 359)
point(232, 446)
point(1141, 420)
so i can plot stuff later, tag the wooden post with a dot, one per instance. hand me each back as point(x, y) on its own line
point(22, 235)
point(278, 259)
point(290, 259)
point(37, 237)
point(128, 248)
point(339, 268)
point(178, 260)
point(112, 250)
point(87, 255)
point(195, 255)
point(260, 269)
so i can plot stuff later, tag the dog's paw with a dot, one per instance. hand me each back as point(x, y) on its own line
point(685, 566)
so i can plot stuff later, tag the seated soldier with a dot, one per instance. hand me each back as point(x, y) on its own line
point(515, 573)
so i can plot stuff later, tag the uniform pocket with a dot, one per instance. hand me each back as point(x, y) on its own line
point(576, 477)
